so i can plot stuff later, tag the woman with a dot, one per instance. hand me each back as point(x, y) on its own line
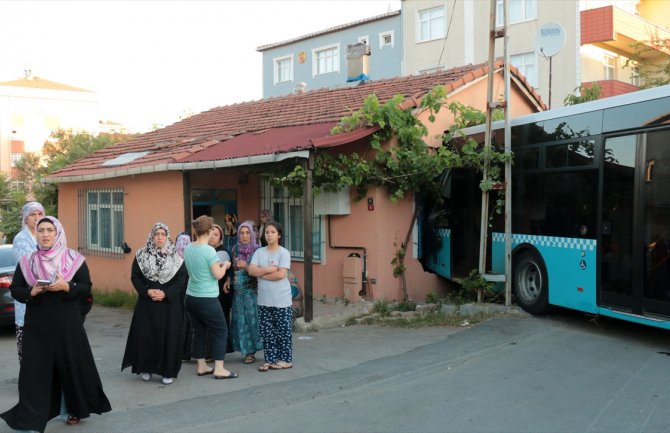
point(23, 245)
point(271, 265)
point(230, 231)
point(265, 217)
point(56, 352)
point(202, 303)
point(154, 342)
point(225, 287)
point(245, 330)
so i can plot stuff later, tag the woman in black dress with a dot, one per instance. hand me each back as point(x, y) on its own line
point(154, 343)
point(56, 352)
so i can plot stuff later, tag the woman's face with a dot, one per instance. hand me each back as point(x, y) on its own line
point(46, 235)
point(245, 235)
point(32, 218)
point(159, 238)
point(264, 219)
point(271, 235)
point(214, 237)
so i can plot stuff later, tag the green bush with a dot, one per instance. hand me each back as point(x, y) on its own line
point(115, 299)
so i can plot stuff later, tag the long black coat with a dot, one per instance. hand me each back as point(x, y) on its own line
point(155, 338)
point(56, 355)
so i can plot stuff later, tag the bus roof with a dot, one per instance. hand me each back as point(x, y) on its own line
point(586, 107)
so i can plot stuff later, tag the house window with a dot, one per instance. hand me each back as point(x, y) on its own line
point(16, 157)
point(519, 11)
point(288, 211)
point(325, 60)
point(635, 74)
point(527, 64)
point(431, 24)
point(101, 222)
point(283, 69)
point(609, 67)
point(386, 39)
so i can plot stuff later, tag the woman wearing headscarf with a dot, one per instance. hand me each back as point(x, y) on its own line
point(56, 352)
point(245, 329)
point(265, 217)
point(226, 294)
point(24, 244)
point(155, 338)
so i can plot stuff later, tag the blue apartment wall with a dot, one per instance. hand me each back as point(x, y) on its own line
point(383, 63)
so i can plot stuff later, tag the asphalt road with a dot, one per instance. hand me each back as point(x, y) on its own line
point(564, 373)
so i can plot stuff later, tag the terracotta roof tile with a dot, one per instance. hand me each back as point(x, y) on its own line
point(321, 106)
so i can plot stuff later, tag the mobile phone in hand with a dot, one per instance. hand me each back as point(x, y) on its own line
point(43, 282)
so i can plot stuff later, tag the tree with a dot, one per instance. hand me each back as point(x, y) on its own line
point(652, 74)
point(11, 202)
point(585, 94)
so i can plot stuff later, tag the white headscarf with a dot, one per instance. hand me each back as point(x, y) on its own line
point(159, 265)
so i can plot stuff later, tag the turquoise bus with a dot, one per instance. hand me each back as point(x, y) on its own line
point(590, 210)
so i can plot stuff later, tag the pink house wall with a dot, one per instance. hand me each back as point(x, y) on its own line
point(148, 198)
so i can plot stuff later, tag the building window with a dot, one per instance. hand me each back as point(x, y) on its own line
point(635, 74)
point(431, 24)
point(609, 67)
point(527, 64)
point(519, 11)
point(386, 39)
point(283, 69)
point(16, 157)
point(101, 222)
point(325, 60)
point(288, 211)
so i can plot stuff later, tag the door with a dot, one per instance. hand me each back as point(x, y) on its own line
point(635, 224)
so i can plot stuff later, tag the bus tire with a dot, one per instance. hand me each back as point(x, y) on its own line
point(531, 285)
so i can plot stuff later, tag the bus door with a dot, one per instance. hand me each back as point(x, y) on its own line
point(635, 224)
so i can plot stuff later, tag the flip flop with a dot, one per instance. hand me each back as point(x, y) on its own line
point(284, 365)
point(249, 359)
point(264, 367)
point(206, 373)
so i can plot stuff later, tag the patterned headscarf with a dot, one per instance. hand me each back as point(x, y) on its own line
point(180, 244)
point(245, 251)
point(45, 264)
point(29, 207)
point(159, 265)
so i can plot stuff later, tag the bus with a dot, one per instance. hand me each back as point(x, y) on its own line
point(590, 210)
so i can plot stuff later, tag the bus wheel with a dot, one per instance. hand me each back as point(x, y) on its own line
point(530, 283)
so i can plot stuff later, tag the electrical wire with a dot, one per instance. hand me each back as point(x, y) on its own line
point(453, 7)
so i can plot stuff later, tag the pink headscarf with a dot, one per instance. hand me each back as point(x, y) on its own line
point(46, 264)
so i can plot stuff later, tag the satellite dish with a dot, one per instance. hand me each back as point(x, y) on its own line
point(549, 39)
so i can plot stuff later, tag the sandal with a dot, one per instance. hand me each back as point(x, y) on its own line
point(249, 359)
point(265, 367)
point(284, 365)
point(72, 420)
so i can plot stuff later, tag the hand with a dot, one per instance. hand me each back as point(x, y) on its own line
point(36, 290)
point(241, 264)
point(59, 285)
point(225, 265)
point(156, 295)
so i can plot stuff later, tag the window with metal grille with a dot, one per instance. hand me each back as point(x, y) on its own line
point(101, 222)
point(288, 211)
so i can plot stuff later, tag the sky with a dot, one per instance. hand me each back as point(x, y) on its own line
point(152, 62)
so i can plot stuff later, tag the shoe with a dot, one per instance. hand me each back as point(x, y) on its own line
point(208, 372)
point(230, 376)
point(146, 377)
point(249, 359)
point(167, 380)
point(72, 420)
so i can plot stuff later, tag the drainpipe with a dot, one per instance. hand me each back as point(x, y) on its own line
point(364, 290)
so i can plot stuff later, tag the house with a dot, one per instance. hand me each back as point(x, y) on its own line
point(222, 160)
point(599, 36)
point(32, 107)
point(319, 60)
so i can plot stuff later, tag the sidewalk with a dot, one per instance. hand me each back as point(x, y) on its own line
point(330, 313)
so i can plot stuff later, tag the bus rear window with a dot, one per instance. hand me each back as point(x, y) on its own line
point(577, 154)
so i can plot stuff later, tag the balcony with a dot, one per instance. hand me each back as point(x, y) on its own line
point(612, 87)
point(616, 30)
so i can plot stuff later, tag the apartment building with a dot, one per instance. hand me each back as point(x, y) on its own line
point(319, 60)
point(32, 107)
point(599, 36)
